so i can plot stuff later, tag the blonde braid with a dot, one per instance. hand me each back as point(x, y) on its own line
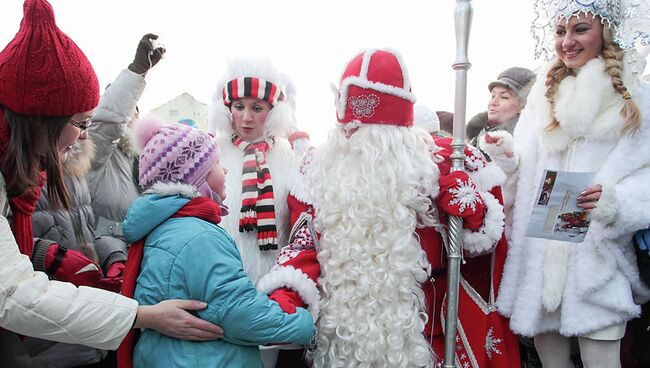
point(613, 56)
point(555, 75)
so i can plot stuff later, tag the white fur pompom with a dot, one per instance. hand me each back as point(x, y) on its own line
point(279, 119)
point(144, 130)
point(425, 118)
point(219, 117)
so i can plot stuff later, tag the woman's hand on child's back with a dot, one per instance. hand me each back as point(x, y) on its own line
point(172, 318)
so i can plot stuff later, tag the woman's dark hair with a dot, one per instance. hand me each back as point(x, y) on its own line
point(25, 156)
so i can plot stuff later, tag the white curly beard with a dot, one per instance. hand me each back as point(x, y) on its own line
point(371, 190)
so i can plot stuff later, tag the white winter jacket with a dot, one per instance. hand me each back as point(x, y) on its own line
point(32, 305)
point(593, 284)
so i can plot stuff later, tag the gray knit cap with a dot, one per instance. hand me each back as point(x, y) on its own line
point(516, 79)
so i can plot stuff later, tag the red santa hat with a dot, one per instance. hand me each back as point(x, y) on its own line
point(42, 71)
point(375, 89)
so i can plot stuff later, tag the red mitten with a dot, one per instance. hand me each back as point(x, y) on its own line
point(71, 266)
point(112, 281)
point(288, 299)
point(116, 269)
point(459, 197)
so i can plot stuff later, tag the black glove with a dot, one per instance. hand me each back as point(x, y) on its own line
point(146, 56)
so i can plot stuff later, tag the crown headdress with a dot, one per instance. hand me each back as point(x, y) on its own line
point(630, 20)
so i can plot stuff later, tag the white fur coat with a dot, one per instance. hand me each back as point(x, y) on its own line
point(579, 288)
point(283, 165)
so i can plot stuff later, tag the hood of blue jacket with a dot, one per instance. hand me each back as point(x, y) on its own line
point(148, 212)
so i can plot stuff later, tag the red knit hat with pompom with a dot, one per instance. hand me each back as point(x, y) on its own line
point(42, 71)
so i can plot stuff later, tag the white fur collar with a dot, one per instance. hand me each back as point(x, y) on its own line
point(167, 189)
point(79, 160)
point(586, 106)
point(127, 143)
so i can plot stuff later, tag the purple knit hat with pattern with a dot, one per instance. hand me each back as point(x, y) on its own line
point(174, 153)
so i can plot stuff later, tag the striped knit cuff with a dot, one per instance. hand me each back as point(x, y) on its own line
point(39, 254)
point(112, 258)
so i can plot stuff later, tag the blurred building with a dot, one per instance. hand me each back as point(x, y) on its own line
point(184, 106)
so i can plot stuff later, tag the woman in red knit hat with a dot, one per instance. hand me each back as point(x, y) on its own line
point(48, 90)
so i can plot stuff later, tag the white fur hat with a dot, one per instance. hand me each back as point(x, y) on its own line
point(425, 118)
point(281, 118)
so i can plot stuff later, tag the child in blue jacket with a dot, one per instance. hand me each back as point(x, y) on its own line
point(187, 255)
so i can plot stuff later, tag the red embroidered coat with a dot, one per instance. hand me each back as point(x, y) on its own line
point(483, 339)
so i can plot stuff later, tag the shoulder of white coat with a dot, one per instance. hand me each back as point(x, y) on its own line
point(632, 151)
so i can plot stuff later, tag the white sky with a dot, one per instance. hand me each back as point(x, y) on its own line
point(311, 41)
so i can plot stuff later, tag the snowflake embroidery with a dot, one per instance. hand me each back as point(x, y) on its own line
point(169, 171)
point(286, 255)
point(464, 195)
point(306, 162)
point(474, 160)
point(466, 365)
point(491, 343)
point(192, 149)
point(363, 106)
point(302, 239)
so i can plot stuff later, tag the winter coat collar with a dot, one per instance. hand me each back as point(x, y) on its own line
point(127, 143)
point(157, 205)
point(586, 106)
point(80, 158)
point(169, 189)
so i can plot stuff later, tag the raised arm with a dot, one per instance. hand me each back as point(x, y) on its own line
point(115, 110)
point(118, 103)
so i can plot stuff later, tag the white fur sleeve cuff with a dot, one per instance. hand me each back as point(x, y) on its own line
point(293, 279)
point(301, 145)
point(498, 153)
point(485, 239)
point(606, 207)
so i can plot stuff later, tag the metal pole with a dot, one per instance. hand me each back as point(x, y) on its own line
point(463, 21)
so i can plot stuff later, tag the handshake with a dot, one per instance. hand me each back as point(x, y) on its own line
point(69, 265)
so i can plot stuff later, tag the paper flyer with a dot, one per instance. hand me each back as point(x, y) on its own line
point(555, 213)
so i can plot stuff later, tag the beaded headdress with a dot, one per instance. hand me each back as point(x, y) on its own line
point(629, 19)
